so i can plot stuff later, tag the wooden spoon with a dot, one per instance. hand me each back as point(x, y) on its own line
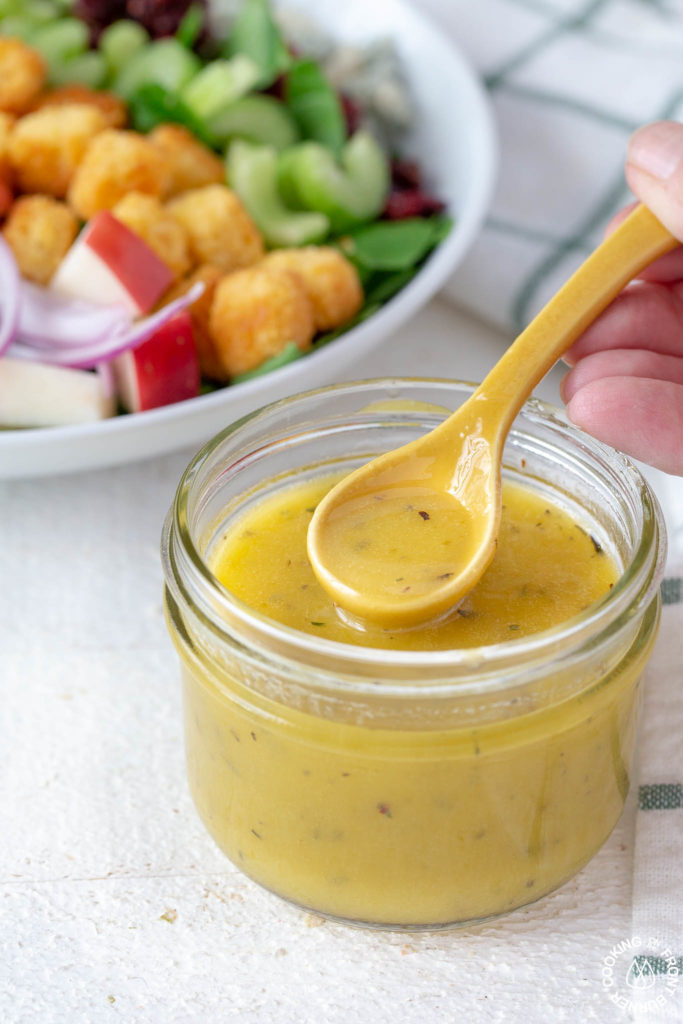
point(403, 538)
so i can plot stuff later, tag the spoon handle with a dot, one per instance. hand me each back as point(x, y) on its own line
point(638, 240)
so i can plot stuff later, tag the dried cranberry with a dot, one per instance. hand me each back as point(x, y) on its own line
point(101, 10)
point(160, 17)
point(351, 112)
point(411, 202)
point(403, 203)
point(100, 13)
point(406, 174)
point(277, 88)
point(431, 205)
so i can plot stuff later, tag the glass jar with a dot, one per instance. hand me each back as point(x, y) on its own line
point(408, 789)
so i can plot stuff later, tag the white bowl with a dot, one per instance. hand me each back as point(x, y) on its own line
point(454, 142)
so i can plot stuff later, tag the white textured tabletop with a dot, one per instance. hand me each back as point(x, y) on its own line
point(115, 905)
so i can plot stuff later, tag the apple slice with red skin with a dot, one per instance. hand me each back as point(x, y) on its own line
point(109, 264)
point(160, 371)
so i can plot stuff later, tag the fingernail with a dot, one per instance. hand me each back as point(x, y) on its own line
point(657, 149)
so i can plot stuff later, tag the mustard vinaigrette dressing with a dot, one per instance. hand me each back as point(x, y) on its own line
point(392, 826)
point(547, 568)
point(430, 777)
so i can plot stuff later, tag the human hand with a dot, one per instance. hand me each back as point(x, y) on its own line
point(626, 382)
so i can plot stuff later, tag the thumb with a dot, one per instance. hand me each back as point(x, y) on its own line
point(654, 171)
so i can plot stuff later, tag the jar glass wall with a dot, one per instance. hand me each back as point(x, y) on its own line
point(404, 788)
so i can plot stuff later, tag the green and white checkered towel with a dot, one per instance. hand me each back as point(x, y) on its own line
point(569, 81)
point(656, 979)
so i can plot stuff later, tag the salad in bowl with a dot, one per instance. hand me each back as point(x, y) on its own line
point(192, 199)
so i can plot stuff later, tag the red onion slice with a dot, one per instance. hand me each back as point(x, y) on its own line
point(10, 296)
point(48, 318)
point(90, 354)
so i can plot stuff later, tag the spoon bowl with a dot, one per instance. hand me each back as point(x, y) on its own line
point(401, 540)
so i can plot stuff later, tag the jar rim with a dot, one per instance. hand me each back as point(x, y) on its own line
point(227, 617)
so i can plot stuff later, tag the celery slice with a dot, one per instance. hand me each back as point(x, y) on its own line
point(18, 27)
point(219, 84)
point(35, 12)
point(252, 173)
point(257, 118)
point(120, 41)
point(60, 40)
point(40, 12)
point(165, 62)
point(349, 192)
point(88, 68)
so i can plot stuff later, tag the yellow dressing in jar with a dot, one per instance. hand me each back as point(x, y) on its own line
point(547, 568)
point(426, 777)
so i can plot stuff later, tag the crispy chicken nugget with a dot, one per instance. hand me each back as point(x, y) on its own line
point(6, 125)
point(151, 221)
point(111, 106)
point(39, 231)
point(116, 162)
point(22, 75)
point(255, 312)
point(191, 164)
point(47, 146)
point(331, 282)
point(220, 229)
point(200, 311)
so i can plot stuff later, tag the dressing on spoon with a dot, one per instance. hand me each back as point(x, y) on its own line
point(403, 538)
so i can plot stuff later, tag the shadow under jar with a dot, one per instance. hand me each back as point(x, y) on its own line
point(394, 788)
